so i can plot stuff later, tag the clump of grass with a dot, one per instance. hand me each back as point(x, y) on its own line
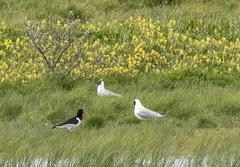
point(11, 112)
point(95, 122)
point(230, 108)
point(152, 3)
point(77, 12)
point(11, 107)
point(56, 117)
point(127, 121)
point(206, 123)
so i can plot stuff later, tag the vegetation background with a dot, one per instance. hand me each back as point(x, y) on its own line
point(201, 126)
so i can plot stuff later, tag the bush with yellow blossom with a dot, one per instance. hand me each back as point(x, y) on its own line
point(130, 47)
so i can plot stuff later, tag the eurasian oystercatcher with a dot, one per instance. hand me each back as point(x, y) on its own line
point(72, 122)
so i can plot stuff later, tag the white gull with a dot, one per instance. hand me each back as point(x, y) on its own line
point(104, 92)
point(142, 113)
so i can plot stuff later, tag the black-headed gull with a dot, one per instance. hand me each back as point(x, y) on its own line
point(104, 92)
point(142, 113)
point(72, 122)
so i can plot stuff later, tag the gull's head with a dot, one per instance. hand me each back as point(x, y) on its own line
point(136, 102)
point(100, 82)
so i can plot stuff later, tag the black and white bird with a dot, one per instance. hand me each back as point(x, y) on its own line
point(72, 122)
point(142, 113)
point(104, 92)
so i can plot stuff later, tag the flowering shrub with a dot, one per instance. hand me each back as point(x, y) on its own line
point(64, 48)
point(131, 47)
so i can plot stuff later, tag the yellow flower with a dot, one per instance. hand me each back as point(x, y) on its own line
point(50, 37)
point(207, 60)
point(220, 42)
point(43, 21)
point(215, 70)
point(96, 43)
point(181, 52)
point(153, 52)
point(65, 26)
point(113, 53)
point(157, 71)
point(135, 71)
point(176, 34)
point(91, 59)
point(58, 22)
point(184, 37)
point(88, 53)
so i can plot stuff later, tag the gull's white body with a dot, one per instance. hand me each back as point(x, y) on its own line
point(104, 92)
point(142, 113)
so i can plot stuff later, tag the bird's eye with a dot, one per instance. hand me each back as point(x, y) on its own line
point(134, 103)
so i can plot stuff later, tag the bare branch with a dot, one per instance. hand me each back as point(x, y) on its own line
point(63, 51)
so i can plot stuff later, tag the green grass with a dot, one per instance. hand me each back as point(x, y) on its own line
point(201, 125)
point(14, 11)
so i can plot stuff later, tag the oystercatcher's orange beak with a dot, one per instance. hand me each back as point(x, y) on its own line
point(85, 114)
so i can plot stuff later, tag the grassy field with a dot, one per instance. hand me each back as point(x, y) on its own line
point(180, 58)
point(201, 126)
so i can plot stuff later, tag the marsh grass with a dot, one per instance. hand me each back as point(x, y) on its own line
point(122, 146)
point(196, 130)
point(14, 11)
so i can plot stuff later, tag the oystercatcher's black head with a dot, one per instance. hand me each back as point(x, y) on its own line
point(80, 113)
